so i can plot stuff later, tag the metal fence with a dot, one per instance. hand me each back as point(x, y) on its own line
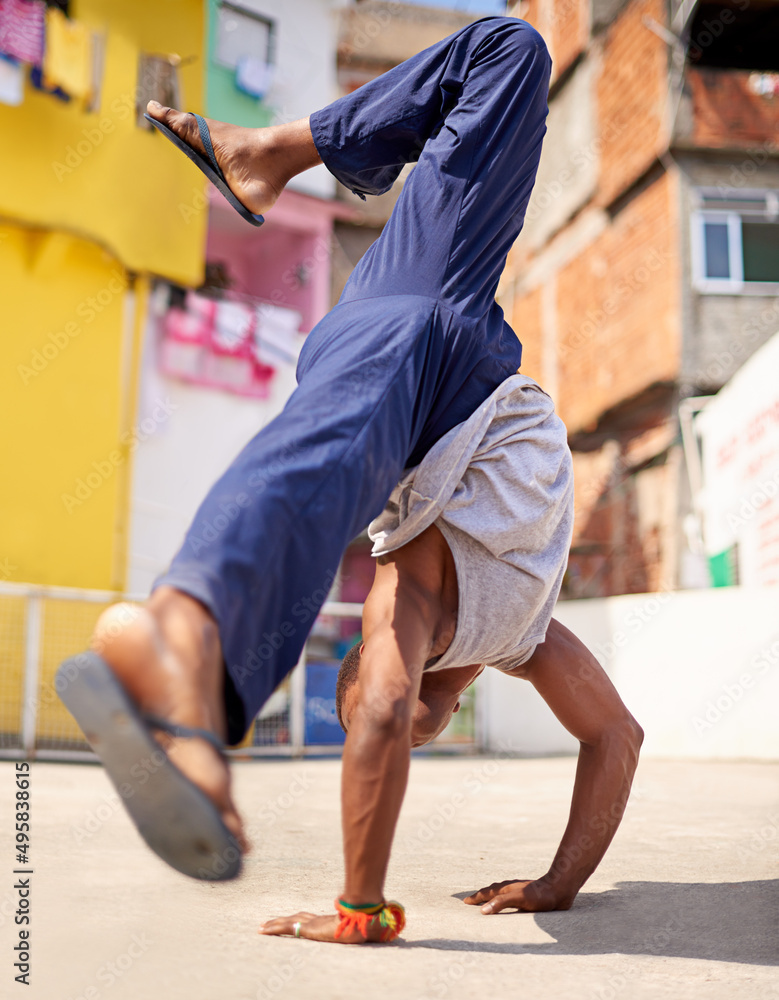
point(41, 626)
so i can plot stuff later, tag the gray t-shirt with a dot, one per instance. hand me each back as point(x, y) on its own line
point(500, 489)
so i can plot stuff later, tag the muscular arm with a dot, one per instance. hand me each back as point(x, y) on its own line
point(576, 688)
point(401, 622)
point(376, 754)
point(378, 745)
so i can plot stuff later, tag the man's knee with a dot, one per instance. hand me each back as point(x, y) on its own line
point(518, 37)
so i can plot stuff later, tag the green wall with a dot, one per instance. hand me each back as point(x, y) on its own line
point(223, 99)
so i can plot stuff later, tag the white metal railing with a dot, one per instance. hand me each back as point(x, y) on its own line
point(37, 633)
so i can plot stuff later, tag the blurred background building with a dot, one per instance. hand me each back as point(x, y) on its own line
point(149, 333)
point(648, 268)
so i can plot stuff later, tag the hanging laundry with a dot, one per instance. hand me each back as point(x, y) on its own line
point(67, 62)
point(11, 81)
point(36, 79)
point(22, 29)
point(253, 76)
point(230, 364)
point(193, 324)
point(98, 71)
point(277, 338)
point(234, 326)
point(186, 338)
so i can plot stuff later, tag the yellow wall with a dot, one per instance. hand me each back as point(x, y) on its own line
point(90, 206)
point(63, 304)
point(98, 174)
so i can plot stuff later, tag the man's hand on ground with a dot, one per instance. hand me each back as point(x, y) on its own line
point(316, 928)
point(526, 895)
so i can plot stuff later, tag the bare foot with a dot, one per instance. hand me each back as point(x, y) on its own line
point(257, 163)
point(168, 658)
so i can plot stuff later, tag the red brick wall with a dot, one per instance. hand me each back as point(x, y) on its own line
point(565, 26)
point(534, 12)
point(727, 114)
point(632, 88)
point(570, 32)
point(619, 309)
point(616, 549)
point(526, 321)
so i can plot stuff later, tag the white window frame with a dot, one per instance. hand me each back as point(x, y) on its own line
point(244, 10)
point(735, 284)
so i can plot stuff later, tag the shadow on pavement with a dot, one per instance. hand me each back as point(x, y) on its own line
point(723, 922)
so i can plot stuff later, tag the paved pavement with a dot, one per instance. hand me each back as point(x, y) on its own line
point(683, 906)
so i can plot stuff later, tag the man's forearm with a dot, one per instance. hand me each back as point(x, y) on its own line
point(604, 775)
point(375, 773)
point(575, 686)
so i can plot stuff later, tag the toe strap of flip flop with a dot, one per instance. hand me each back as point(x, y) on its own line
point(185, 732)
point(205, 138)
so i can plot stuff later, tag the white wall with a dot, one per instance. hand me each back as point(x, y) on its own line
point(698, 669)
point(200, 433)
point(305, 79)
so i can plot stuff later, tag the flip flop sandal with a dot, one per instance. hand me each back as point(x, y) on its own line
point(175, 818)
point(209, 166)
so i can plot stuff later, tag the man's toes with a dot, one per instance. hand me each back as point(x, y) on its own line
point(159, 111)
point(180, 122)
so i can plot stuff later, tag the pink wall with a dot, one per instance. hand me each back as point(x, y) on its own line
point(286, 261)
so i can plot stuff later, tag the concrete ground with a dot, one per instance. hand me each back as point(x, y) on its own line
point(683, 906)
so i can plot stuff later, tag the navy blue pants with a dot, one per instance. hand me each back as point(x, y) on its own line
point(415, 344)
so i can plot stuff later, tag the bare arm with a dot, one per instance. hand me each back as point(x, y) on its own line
point(378, 745)
point(576, 688)
point(376, 754)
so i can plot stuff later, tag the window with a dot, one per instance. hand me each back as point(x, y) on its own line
point(735, 34)
point(735, 242)
point(241, 33)
point(158, 80)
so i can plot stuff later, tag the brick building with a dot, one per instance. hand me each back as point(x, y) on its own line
point(374, 36)
point(648, 269)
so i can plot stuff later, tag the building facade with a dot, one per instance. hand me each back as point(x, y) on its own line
point(89, 204)
point(224, 350)
point(648, 268)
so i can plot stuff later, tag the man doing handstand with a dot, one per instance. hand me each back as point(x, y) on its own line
point(415, 357)
point(470, 554)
